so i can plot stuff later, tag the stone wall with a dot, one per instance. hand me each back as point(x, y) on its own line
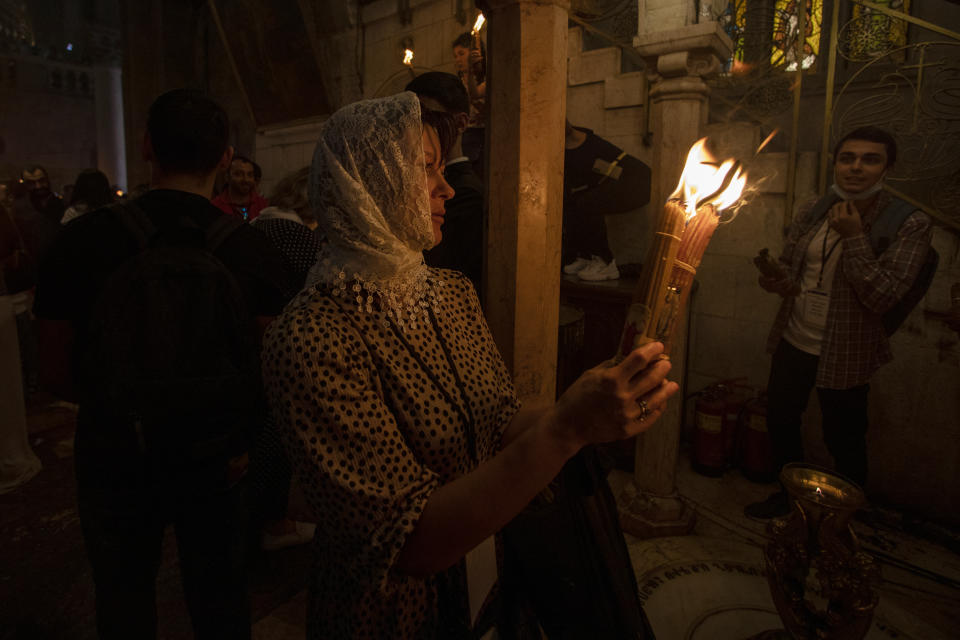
point(432, 28)
point(48, 111)
point(283, 150)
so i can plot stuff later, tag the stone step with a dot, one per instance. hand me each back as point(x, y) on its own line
point(593, 66)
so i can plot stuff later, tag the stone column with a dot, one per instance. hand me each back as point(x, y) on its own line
point(526, 96)
point(111, 136)
point(681, 58)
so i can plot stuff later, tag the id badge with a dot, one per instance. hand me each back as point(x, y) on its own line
point(816, 302)
point(481, 575)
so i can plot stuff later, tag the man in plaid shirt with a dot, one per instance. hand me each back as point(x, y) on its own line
point(828, 333)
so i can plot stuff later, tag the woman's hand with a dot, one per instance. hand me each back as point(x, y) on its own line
point(613, 402)
point(476, 62)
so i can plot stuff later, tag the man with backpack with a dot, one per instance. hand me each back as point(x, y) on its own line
point(854, 264)
point(156, 307)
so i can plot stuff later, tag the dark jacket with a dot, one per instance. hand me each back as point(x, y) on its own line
point(461, 248)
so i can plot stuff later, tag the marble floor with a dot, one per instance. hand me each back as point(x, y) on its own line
point(710, 585)
point(705, 586)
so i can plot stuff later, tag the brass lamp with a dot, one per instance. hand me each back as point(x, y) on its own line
point(817, 535)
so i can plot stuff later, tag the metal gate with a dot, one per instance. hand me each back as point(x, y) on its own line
point(877, 65)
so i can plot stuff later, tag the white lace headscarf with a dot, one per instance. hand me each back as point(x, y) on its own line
point(368, 188)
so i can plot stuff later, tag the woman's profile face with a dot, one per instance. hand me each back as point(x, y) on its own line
point(437, 188)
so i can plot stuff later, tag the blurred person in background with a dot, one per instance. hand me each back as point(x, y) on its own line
point(240, 198)
point(270, 470)
point(91, 191)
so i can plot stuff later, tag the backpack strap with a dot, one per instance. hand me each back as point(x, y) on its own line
point(884, 229)
point(819, 210)
point(135, 221)
point(220, 229)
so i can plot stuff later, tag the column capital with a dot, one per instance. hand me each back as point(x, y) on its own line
point(496, 5)
point(693, 50)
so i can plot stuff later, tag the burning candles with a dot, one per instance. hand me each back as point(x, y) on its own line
point(408, 57)
point(477, 25)
point(687, 222)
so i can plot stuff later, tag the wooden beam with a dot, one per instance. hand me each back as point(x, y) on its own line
point(233, 63)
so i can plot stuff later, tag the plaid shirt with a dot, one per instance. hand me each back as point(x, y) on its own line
point(864, 287)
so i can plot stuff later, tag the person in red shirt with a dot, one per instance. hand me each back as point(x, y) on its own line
point(240, 198)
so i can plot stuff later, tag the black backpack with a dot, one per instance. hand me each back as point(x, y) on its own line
point(171, 361)
point(882, 233)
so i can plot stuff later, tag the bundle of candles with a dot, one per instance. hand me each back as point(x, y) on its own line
point(687, 222)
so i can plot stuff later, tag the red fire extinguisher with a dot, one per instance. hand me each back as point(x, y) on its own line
point(735, 395)
point(756, 450)
point(708, 446)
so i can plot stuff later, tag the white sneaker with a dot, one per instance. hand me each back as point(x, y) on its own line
point(576, 266)
point(599, 270)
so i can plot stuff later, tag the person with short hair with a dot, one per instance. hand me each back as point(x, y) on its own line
point(462, 247)
point(152, 311)
point(240, 197)
point(829, 333)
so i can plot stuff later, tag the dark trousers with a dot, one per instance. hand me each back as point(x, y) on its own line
point(584, 235)
point(125, 504)
point(792, 375)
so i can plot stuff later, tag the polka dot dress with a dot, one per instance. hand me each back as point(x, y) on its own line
point(375, 419)
point(298, 245)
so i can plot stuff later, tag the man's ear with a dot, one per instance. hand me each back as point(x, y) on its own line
point(146, 148)
point(225, 159)
point(462, 120)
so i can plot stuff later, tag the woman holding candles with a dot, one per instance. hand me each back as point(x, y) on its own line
point(400, 417)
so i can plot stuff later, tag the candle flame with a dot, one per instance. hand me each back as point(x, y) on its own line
point(703, 182)
point(819, 493)
point(478, 24)
point(767, 140)
point(408, 57)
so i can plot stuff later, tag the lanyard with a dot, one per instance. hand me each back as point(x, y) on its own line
point(825, 255)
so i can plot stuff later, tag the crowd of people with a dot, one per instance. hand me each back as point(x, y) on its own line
point(224, 348)
point(381, 393)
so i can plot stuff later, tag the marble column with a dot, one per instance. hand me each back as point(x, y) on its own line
point(526, 97)
point(111, 136)
point(678, 60)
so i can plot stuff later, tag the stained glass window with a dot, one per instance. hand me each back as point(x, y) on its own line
point(786, 31)
point(872, 33)
point(767, 30)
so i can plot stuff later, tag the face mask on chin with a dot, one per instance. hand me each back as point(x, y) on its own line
point(862, 195)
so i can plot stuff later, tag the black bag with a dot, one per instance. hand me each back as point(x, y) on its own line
point(882, 233)
point(569, 559)
point(171, 351)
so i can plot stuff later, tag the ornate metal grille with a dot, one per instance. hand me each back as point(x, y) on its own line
point(867, 72)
